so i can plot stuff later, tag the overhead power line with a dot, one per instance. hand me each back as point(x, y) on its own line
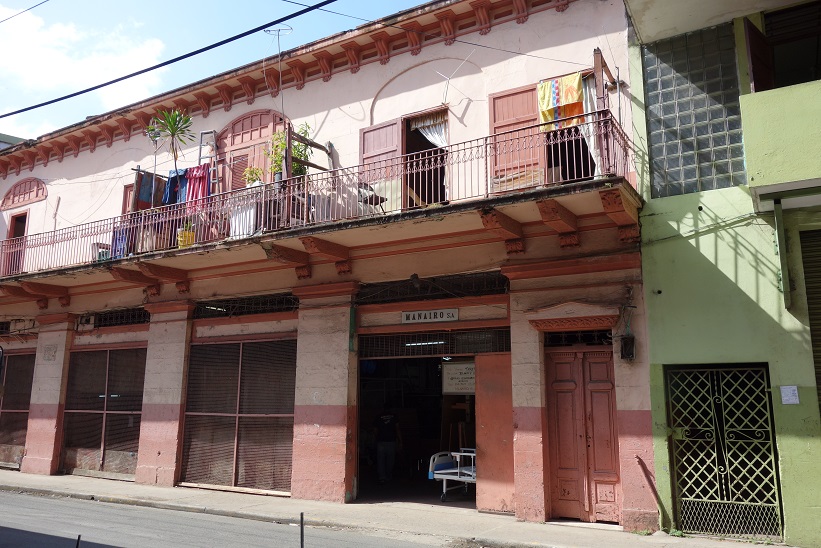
point(175, 59)
point(24, 11)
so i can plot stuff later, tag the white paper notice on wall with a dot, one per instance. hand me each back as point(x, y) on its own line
point(458, 378)
point(789, 395)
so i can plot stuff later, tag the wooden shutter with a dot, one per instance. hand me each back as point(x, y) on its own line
point(515, 160)
point(759, 59)
point(811, 255)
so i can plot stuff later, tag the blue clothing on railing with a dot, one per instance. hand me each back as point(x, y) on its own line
point(175, 187)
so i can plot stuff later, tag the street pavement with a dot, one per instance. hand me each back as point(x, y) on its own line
point(457, 521)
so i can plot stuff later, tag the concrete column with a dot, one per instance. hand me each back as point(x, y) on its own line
point(48, 394)
point(530, 446)
point(166, 363)
point(325, 407)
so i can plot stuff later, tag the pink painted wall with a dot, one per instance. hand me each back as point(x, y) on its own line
point(158, 459)
point(494, 434)
point(324, 454)
point(639, 508)
point(45, 426)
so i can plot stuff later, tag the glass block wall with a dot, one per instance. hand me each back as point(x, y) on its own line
point(693, 115)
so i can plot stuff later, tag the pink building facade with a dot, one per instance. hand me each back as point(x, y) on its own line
point(248, 336)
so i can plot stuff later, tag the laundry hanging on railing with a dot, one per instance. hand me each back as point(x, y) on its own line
point(560, 99)
point(144, 182)
point(198, 187)
point(175, 187)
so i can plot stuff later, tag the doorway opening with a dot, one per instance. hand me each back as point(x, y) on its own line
point(426, 139)
point(16, 248)
point(429, 421)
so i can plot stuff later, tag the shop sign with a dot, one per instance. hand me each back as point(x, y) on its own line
point(426, 316)
point(458, 378)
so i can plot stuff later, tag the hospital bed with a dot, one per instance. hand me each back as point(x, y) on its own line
point(455, 466)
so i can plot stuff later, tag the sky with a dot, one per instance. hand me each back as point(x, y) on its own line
point(64, 46)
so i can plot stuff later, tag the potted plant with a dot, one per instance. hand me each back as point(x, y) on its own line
point(186, 236)
point(251, 175)
point(175, 127)
point(301, 151)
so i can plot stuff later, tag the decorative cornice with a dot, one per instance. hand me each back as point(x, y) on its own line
point(169, 306)
point(413, 31)
point(382, 42)
point(204, 102)
point(352, 53)
point(297, 67)
point(520, 7)
point(326, 64)
point(569, 267)
point(125, 128)
point(448, 27)
point(108, 135)
point(51, 319)
point(480, 8)
point(226, 95)
point(272, 80)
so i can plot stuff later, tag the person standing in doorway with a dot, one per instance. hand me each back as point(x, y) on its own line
point(388, 442)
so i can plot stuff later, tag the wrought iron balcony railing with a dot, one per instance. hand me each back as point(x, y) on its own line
point(564, 151)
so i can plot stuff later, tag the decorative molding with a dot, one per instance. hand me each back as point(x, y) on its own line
point(51, 319)
point(249, 88)
point(569, 239)
point(204, 102)
point(271, 76)
point(515, 246)
point(131, 276)
point(28, 191)
point(169, 306)
point(575, 324)
point(29, 156)
point(165, 273)
point(480, 8)
point(520, 7)
point(226, 95)
point(286, 255)
point(629, 233)
point(183, 287)
point(500, 224)
point(15, 164)
point(326, 290)
point(574, 316)
point(90, 137)
point(316, 246)
point(570, 267)
point(143, 120)
point(326, 64)
point(414, 34)
point(108, 134)
point(46, 290)
point(623, 209)
point(562, 5)
point(447, 25)
point(297, 67)
point(556, 216)
point(125, 127)
point(73, 143)
point(182, 104)
point(44, 153)
point(352, 53)
point(303, 272)
point(382, 42)
point(343, 267)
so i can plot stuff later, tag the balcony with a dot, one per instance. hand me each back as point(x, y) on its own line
point(781, 136)
point(592, 147)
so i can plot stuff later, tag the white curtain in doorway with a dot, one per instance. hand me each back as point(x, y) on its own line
point(589, 129)
point(434, 127)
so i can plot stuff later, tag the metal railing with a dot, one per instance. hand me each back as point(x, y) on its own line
point(563, 151)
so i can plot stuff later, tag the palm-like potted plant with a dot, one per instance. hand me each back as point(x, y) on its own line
point(174, 127)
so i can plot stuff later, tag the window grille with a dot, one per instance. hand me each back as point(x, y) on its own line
point(258, 304)
point(127, 316)
point(438, 343)
point(443, 287)
point(5, 328)
point(570, 338)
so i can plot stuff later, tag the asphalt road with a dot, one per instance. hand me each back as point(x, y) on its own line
point(34, 521)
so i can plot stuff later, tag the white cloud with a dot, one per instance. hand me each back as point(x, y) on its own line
point(42, 61)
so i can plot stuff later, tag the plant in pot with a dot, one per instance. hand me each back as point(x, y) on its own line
point(251, 175)
point(301, 151)
point(186, 235)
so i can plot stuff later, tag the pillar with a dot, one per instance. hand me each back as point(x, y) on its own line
point(169, 337)
point(529, 419)
point(325, 407)
point(44, 437)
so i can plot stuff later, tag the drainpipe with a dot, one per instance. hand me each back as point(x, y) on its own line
point(781, 249)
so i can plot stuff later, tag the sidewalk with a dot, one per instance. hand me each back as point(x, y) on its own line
point(435, 519)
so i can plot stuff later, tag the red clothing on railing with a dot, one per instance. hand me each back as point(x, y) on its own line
point(198, 187)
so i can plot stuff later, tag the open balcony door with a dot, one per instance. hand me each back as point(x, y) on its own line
point(381, 173)
point(759, 58)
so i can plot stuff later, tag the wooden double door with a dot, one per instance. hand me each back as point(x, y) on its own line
point(583, 440)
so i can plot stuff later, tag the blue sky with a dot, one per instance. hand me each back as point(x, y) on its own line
point(63, 46)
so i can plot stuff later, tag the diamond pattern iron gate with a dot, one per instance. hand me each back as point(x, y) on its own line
point(723, 451)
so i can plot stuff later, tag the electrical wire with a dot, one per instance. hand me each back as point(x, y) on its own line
point(174, 60)
point(423, 35)
point(24, 11)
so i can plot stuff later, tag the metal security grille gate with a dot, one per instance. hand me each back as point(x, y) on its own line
point(16, 378)
point(723, 451)
point(811, 256)
point(104, 402)
point(239, 418)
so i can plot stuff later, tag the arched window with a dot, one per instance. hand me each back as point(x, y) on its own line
point(242, 143)
point(25, 192)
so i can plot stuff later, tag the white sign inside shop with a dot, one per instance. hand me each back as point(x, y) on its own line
point(458, 378)
point(425, 316)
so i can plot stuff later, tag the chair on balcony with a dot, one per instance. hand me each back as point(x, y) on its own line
point(100, 252)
